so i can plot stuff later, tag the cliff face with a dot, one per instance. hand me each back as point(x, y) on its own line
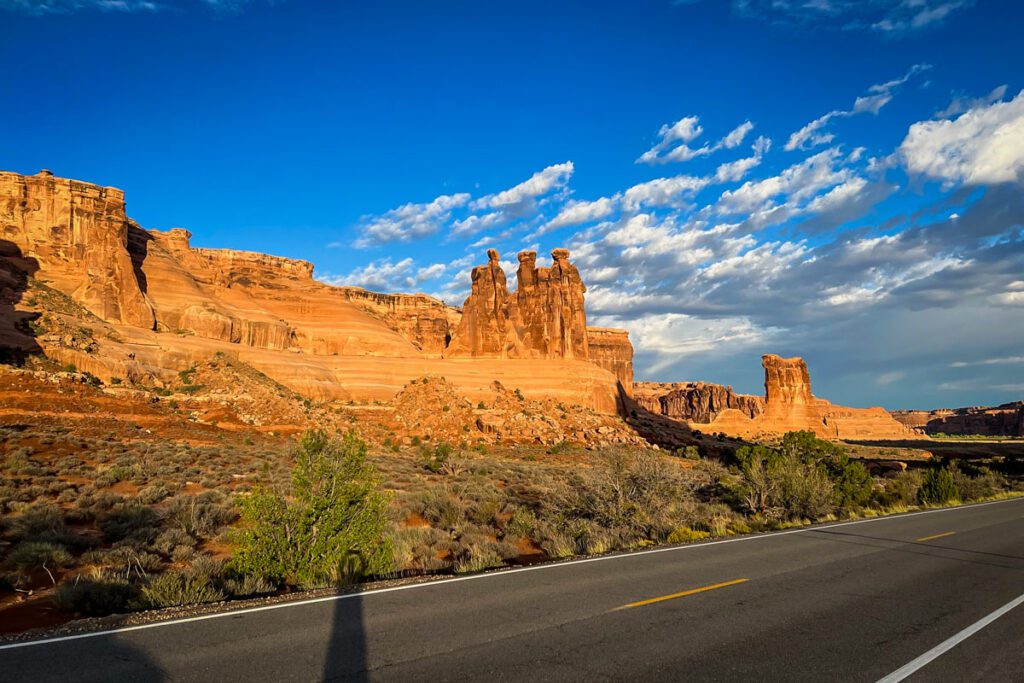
point(611, 349)
point(695, 401)
point(1003, 420)
point(78, 234)
point(544, 318)
point(788, 405)
point(163, 305)
point(486, 329)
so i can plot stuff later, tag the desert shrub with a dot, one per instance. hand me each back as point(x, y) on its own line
point(852, 484)
point(200, 516)
point(637, 491)
point(442, 506)
point(40, 523)
point(789, 482)
point(174, 587)
point(128, 521)
point(976, 484)
point(901, 490)
point(335, 513)
point(937, 487)
point(248, 585)
point(101, 593)
point(436, 459)
point(29, 556)
point(685, 534)
point(478, 558)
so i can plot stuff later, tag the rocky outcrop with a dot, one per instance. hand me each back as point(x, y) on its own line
point(486, 329)
point(426, 322)
point(695, 401)
point(164, 305)
point(77, 233)
point(549, 312)
point(789, 405)
point(611, 349)
point(1003, 420)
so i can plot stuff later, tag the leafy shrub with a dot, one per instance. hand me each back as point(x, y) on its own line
point(335, 513)
point(436, 459)
point(938, 487)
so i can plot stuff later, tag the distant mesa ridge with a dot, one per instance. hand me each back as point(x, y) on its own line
point(788, 405)
point(165, 304)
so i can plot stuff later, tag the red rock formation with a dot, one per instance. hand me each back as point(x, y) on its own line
point(78, 234)
point(610, 349)
point(164, 306)
point(1003, 420)
point(789, 406)
point(486, 328)
point(695, 401)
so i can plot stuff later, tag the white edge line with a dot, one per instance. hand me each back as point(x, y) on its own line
point(489, 575)
point(948, 644)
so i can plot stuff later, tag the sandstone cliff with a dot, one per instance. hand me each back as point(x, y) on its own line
point(694, 401)
point(1002, 420)
point(789, 405)
point(77, 234)
point(161, 305)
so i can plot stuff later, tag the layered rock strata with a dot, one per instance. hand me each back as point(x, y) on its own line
point(789, 405)
point(695, 401)
point(1003, 420)
point(162, 305)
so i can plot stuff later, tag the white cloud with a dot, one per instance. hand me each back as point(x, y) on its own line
point(540, 183)
point(1005, 360)
point(409, 221)
point(983, 146)
point(891, 18)
point(813, 134)
point(736, 170)
point(960, 104)
point(673, 142)
point(662, 192)
point(576, 212)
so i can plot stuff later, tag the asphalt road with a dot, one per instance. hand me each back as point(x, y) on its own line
point(845, 602)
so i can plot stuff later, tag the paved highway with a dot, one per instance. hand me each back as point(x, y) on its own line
point(929, 596)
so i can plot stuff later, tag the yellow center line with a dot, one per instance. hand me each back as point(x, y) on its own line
point(673, 596)
point(932, 538)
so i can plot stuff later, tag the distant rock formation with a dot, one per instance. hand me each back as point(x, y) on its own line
point(162, 305)
point(694, 401)
point(544, 318)
point(1002, 420)
point(788, 406)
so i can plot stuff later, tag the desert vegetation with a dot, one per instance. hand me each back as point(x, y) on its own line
point(98, 526)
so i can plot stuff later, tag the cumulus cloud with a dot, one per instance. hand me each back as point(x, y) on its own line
point(673, 141)
point(540, 183)
point(877, 96)
point(983, 146)
point(409, 221)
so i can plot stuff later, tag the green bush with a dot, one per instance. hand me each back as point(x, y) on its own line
point(332, 526)
point(791, 481)
point(685, 534)
point(938, 487)
point(29, 556)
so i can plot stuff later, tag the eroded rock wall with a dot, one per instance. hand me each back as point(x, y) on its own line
point(695, 401)
point(486, 329)
point(1003, 420)
point(77, 233)
point(611, 349)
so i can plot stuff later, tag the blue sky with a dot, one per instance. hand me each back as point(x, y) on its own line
point(837, 179)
